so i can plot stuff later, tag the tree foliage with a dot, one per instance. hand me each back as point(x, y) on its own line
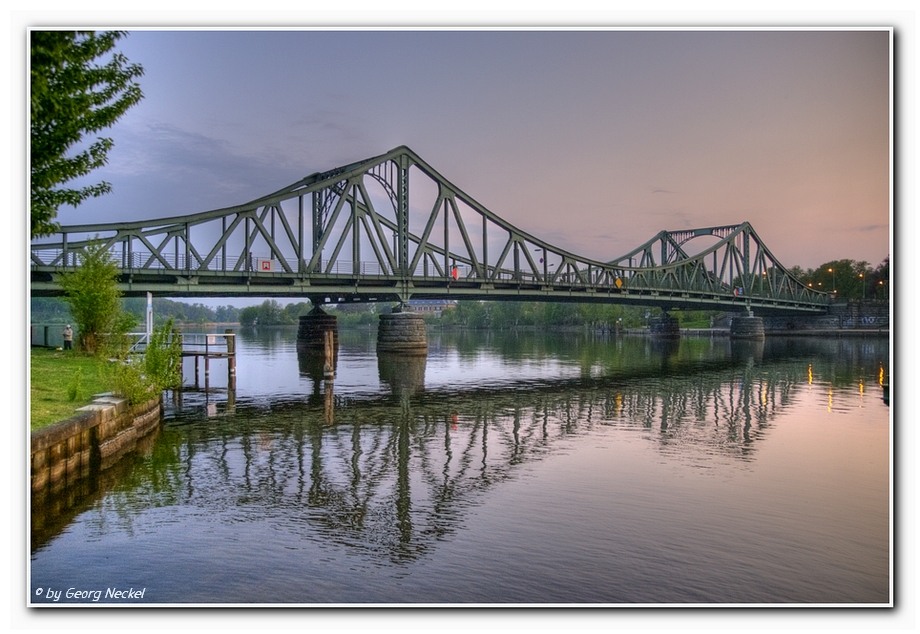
point(92, 293)
point(849, 278)
point(73, 95)
point(512, 314)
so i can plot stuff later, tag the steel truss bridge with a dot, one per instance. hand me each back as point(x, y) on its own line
point(361, 233)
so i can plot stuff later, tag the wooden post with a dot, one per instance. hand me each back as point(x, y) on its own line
point(328, 402)
point(231, 359)
point(328, 377)
point(328, 355)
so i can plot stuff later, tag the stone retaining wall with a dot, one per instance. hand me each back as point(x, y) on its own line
point(842, 315)
point(90, 442)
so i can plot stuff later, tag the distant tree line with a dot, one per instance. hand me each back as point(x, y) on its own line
point(848, 278)
point(53, 309)
point(510, 314)
point(272, 313)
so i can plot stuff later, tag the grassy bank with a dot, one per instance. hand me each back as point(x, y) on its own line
point(56, 377)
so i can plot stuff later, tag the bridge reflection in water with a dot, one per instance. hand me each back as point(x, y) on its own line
point(396, 470)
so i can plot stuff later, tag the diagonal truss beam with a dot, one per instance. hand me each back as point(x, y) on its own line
point(381, 204)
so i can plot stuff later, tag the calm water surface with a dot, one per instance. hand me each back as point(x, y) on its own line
point(503, 468)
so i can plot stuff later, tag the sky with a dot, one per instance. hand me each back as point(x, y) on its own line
point(594, 140)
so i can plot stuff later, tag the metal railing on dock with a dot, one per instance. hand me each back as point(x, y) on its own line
point(200, 346)
point(211, 346)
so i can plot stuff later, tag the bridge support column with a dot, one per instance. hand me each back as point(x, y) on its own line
point(664, 326)
point(747, 327)
point(403, 332)
point(311, 334)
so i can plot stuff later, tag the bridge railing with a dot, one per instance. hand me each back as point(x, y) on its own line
point(601, 278)
point(689, 278)
point(144, 260)
point(192, 343)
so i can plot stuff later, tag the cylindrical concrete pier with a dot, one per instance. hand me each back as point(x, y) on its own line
point(403, 333)
point(311, 334)
point(664, 326)
point(747, 327)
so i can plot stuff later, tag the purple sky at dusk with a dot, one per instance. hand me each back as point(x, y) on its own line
point(592, 140)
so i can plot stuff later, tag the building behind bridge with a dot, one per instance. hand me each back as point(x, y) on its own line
point(432, 306)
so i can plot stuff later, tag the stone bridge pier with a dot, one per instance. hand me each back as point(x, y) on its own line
point(402, 332)
point(747, 326)
point(318, 345)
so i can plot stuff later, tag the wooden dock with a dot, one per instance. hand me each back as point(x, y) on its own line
point(211, 346)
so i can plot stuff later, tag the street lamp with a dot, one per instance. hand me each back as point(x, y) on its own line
point(863, 277)
point(834, 277)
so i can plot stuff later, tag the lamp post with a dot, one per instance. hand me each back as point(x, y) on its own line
point(834, 278)
point(863, 278)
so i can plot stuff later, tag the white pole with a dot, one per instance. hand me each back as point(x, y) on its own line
point(149, 315)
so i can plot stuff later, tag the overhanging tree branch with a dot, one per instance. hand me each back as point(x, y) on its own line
point(72, 95)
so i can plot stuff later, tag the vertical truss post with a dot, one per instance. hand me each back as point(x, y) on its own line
point(223, 246)
point(485, 250)
point(730, 249)
point(188, 249)
point(446, 236)
point(299, 245)
point(248, 252)
point(355, 233)
point(317, 227)
point(746, 260)
point(402, 215)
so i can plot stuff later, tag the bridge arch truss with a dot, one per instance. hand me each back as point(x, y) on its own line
point(360, 232)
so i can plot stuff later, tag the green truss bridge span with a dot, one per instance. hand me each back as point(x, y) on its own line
point(391, 228)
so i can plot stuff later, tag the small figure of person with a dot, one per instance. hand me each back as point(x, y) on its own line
point(68, 337)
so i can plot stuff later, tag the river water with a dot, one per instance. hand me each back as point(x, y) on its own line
point(504, 468)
